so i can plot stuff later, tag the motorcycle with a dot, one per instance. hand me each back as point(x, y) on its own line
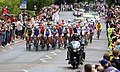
point(76, 54)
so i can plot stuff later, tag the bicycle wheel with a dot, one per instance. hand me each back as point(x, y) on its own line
point(91, 38)
point(98, 33)
point(47, 43)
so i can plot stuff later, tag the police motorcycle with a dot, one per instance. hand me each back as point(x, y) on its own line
point(76, 53)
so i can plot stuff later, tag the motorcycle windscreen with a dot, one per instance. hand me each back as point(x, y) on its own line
point(75, 44)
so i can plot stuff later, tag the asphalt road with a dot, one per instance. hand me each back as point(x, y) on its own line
point(15, 58)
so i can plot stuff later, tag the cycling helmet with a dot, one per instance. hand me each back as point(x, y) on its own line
point(28, 26)
point(69, 20)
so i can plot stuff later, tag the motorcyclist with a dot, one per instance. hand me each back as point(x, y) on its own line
point(75, 37)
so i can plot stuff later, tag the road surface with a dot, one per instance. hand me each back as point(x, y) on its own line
point(15, 58)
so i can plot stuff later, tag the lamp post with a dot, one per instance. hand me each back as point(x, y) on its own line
point(35, 8)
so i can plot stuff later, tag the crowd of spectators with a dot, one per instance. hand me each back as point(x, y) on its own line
point(111, 60)
point(12, 28)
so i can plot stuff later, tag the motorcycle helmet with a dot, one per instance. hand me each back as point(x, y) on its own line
point(76, 37)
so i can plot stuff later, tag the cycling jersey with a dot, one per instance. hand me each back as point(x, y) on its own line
point(65, 32)
point(47, 33)
point(36, 32)
point(29, 32)
point(75, 30)
point(60, 31)
point(54, 32)
point(91, 29)
point(98, 26)
point(42, 31)
point(70, 29)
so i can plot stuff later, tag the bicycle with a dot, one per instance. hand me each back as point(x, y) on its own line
point(28, 43)
point(98, 33)
point(59, 41)
point(42, 42)
point(54, 42)
point(47, 42)
point(36, 43)
point(91, 37)
point(65, 41)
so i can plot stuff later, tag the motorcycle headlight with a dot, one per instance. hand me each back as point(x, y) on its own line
point(74, 50)
point(79, 49)
point(74, 57)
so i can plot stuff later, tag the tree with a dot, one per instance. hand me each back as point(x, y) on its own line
point(39, 3)
point(13, 6)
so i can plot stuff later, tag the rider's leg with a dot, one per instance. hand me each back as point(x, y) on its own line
point(35, 41)
point(68, 55)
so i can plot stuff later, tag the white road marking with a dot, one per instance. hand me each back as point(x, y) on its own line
point(53, 53)
point(48, 56)
point(4, 50)
point(25, 70)
point(43, 60)
point(59, 51)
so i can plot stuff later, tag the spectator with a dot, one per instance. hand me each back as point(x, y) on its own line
point(5, 12)
point(116, 59)
point(21, 16)
point(105, 64)
point(106, 56)
point(19, 26)
point(0, 36)
point(8, 32)
point(3, 28)
point(88, 68)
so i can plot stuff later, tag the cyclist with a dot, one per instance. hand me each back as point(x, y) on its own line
point(29, 32)
point(54, 37)
point(47, 36)
point(36, 34)
point(70, 33)
point(91, 32)
point(60, 33)
point(98, 28)
point(65, 36)
point(85, 33)
point(62, 22)
point(75, 30)
point(42, 41)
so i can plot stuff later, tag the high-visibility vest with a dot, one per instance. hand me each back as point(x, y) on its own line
point(110, 30)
